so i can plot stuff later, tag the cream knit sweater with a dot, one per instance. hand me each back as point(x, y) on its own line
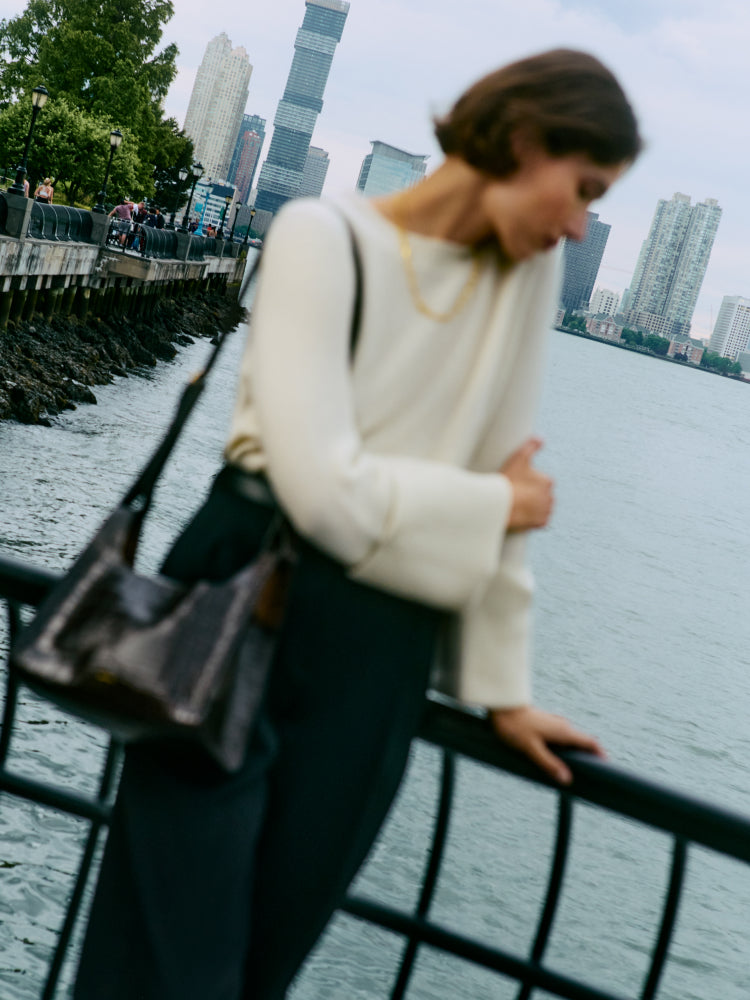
point(390, 463)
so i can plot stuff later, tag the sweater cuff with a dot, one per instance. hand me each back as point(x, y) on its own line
point(443, 535)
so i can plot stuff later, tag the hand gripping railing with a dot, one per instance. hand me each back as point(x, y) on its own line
point(687, 820)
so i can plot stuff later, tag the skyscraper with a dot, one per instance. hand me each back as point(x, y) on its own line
point(246, 154)
point(314, 174)
point(386, 169)
point(216, 104)
point(731, 333)
point(672, 264)
point(582, 261)
point(302, 102)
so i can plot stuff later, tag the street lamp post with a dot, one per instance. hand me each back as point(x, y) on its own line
point(182, 174)
point(115, 138)
point(227, 203)
point(234, 221)
point(39, 97)
point(249, 227)
point(197, 171)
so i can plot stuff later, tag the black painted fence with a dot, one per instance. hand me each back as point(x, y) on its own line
point(688, 821)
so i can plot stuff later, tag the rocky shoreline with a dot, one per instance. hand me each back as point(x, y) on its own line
point(47, 366)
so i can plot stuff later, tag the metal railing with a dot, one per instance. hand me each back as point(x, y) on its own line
point(59, 223)
point(687, 820)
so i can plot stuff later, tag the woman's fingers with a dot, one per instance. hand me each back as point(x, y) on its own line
point(530, 730)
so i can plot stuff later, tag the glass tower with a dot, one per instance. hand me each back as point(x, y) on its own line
point(298, 110)
point(387, 169)
point(582, 261)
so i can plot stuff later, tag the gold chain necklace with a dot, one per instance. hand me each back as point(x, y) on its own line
point(411, 277)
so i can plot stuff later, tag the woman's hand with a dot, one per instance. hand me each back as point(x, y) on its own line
point(532, 490)
point(529, 730)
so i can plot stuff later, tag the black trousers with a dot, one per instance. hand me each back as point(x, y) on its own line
point(216, 887)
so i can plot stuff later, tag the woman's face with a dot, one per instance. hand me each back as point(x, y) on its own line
point(544, 200)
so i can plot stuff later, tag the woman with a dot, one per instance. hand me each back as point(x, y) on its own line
point(404, 462)
point(45, 192)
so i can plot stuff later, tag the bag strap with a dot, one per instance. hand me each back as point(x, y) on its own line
point(140, 494)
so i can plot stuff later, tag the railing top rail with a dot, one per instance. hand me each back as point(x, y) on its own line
point(595, 781)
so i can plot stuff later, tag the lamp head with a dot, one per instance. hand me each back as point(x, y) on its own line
point(39, 97)
point(115, 138)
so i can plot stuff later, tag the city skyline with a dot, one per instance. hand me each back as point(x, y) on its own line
point(682, 63)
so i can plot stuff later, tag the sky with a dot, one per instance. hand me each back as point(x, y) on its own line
point(683, 64)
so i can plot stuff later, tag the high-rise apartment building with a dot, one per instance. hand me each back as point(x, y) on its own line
point(731, 333)
point(247, 154)
point(302, 102)
point(218, 99)
point(581, 262)
point(314, 174)
point(604, 302)
point(672, 264)
point(386, 169)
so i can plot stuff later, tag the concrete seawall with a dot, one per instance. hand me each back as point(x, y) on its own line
point(74, 314)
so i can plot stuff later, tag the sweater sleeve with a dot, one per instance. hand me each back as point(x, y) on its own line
point(494, 632)
point(422, 529)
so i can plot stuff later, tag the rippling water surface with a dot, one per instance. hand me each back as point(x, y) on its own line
point(641, 636)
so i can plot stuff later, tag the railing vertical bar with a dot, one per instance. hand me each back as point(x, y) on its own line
point(11, 686)
point(87, 858)
point(439, 839)
point(552, 898)
point(668, 920)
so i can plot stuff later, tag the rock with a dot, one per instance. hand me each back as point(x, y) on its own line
point(48, 366)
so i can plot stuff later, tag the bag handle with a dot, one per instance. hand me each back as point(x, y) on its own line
point(140, 494)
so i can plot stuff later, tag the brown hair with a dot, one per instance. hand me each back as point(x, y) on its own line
point(564, 100)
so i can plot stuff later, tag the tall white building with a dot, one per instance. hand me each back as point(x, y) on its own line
point(216, 105)
point(672, 264)
point(604, 302)
point(387, 169)
point(731, 333)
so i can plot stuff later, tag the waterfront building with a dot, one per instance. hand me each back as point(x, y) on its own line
point(581, 262)
point(687, 347)
point(314, 174)
point(604, 302)
point(216, 105)
point(281, 175)
point(604, 329)
point(247, 154)
point(209, 202)
point(386, 169)
point(731, 333)
point(672, 264)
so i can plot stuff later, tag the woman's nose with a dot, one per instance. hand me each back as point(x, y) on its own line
point(577, 225)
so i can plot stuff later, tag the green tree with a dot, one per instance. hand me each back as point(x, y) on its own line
point(102, 58)
point(657, 345)
point(634, 337)
point(574, 322)
point(72, 147)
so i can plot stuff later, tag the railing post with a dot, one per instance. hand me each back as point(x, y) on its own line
point(99, 228)
point(19, 213)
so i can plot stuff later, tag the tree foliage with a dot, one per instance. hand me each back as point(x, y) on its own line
point(101, 62)
point(633, 337)
point(718, 363)
point(655, 344)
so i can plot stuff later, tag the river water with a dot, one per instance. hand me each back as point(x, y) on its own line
point(641, 636)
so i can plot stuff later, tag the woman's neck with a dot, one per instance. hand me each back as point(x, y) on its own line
point(445, 205)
